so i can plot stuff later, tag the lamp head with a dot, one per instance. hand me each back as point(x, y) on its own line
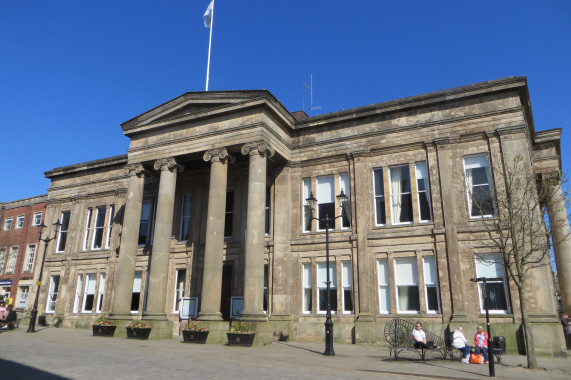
point(311, 201)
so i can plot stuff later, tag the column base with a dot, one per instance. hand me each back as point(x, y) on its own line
point(217, 316)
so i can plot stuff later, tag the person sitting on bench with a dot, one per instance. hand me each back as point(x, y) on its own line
point(419, 337)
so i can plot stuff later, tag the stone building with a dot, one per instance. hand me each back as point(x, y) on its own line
point(210, 202)
point(20, 227)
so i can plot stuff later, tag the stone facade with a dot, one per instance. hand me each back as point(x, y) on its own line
point(209, 202)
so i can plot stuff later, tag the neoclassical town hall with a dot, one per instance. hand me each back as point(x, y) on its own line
point(209, 207)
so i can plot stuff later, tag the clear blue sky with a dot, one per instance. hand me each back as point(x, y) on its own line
point(71, 71)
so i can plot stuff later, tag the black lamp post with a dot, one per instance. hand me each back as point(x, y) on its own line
point(312, 203)
point(46, 240)
point(490, 344)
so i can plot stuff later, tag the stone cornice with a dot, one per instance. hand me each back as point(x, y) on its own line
point(81, 197)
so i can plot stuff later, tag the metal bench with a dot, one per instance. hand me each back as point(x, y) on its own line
point(398, 333)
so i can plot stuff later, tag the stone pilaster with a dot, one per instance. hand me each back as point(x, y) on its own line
point(255, 236)
point(214, 245)
point(123, 284)
point(158, 280)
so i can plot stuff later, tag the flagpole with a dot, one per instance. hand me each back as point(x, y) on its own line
point(210, 45)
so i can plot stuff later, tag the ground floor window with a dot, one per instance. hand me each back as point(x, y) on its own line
point(100, 292)
point(136, 297)
point(266, 288)
point(306, 269)
point(180, 282)
point(52, 294)
point(322, 286)
point(347, 279)
point(492, 266)
point(384, 287)
point(23, 298)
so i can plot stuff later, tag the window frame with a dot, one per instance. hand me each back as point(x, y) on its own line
point(305, 208)
point(345, 186)
point(399, 285)
point(98, 228)
point(30, 257)
point(384, 285)
point(3, 254)
point(321, 227)
point(63, 231)
point(469, 190)
point(185, 218)
point(12, 259)
point(332, 287)
point(20, 222)
point(306, 288)
point(8, 223)
point(178, 291)
point(100, 292)
point(381, 197)
point(347, 286)
point(505, 289)
point(52, 294)
point(400, 195)
point(87, 228)
point(109, 226)
point(23, 296)
point(431, 285)
point(229, 214)
point(89, 290)
point(425, 191)
point(37, 220)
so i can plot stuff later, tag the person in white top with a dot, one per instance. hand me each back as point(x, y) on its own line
point(419, 337)
point(459, 341)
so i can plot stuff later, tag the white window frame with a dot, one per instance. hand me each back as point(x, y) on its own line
point(52, 294)
point(430, 281)
point(306, 295)
point(421, 174)
point(24, 292)
point(90, 289)
point(20, 221)
point(381, 195)
point(401, 282)
point(3, 251)
point(345, 186)
point(98, 227)
point(12, 259)
point(383, 279)
point(476, 161)
point(185, 218)
point(63, 231)
point(305, 208)
point(400, 194)
point(229, 213)
point(30, 258)
point(324, 198)
point(8, 223)
point(100, 292)
point(78, 293)
point(347, 285)
point(87, 228)
point(322, 285)
point(109, 226)
point(37, 219)
point(179, 288)
point(137, 288)
point(489, 260)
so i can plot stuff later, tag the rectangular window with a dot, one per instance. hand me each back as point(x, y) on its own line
point(185, 217)
point(30, 257)
point(306, 208)
point(179, 288)
point(344, 186)
point(306, 268)
point(492, 266)
point(229, 215)
point(322, 286)
point(8, 223)
point(267, 224)
point(100, 292)
point(431, 285)
point(110, 226)
point(136, 298)
point(52, 294)
point(347, 279)
point(266, 289)
point(64, 228)
point(87, 228)
point(99, 227)
point(20, 221)
point(23, 299)
point(37, 219)
point(401, 197)
point(480, 197)
point(89, 293)
point(379, 184)
point(325, 202)
point(145, 224)
point(406, 278)
point(2, 259)
point(11, 266)
point(423, 192)
point(384, 288)
point(78, 293)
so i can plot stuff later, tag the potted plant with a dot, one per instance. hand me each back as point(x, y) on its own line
point(138, 329)
point(195, 333)
point(241, 334)
point(103, 327)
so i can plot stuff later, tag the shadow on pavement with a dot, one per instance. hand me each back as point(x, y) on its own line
point(19, 371)
point(301, 348)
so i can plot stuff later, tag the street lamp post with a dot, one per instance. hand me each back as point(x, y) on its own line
point(312, 203)
point(483, 280)
point(46, 240)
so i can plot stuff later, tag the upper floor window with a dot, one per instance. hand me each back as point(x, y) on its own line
point(401, 197)
point(147, 223)
point(229, 214)
point(11, 266)
point(267, 210)
point(478, 186)
point(87, 228)
point(64, 228)
point(8, 223)
point(20, 221)
point(110, 225)
point(379, 185)
point(185, 218)
point(423, 192)
point(2, 259)
point(306, 207)
point(37, 219)
point(98, 228)
point(325, 195)
point(345, 187)
point(30, 257)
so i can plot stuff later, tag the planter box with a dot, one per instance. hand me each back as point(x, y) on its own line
point(138, 333)
point(245, 340)
point(103, 330)
point(194, 336)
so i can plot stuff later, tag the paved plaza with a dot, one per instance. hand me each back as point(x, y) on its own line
point(59, 353)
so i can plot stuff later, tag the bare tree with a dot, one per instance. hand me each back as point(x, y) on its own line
point(517, 230)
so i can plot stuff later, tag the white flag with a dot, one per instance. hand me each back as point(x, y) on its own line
point(208, 15)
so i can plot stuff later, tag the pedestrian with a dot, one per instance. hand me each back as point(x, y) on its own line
point(459, 341)
point(481, 341)
point(566, 329)
point(3, 311)
point(419, 338)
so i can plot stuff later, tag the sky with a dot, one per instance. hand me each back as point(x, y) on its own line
point(72, 71)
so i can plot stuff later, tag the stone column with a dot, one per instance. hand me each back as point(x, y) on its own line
point(561, 242)
point(123, 284)
point(255, 235)
point(214, 245)
point(160, 257)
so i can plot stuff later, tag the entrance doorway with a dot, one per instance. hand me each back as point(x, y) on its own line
point(226, 291)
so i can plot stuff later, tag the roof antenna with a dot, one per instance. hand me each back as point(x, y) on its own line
point(310, 88)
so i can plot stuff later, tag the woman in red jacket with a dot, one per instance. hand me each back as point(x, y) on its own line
point(481, 341)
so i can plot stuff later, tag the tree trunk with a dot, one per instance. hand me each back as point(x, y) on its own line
point(528, 334)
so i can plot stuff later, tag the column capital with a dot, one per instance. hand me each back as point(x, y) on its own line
point(218, 155)
point(135, 170)
point(259, 147)
point(169, 164)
